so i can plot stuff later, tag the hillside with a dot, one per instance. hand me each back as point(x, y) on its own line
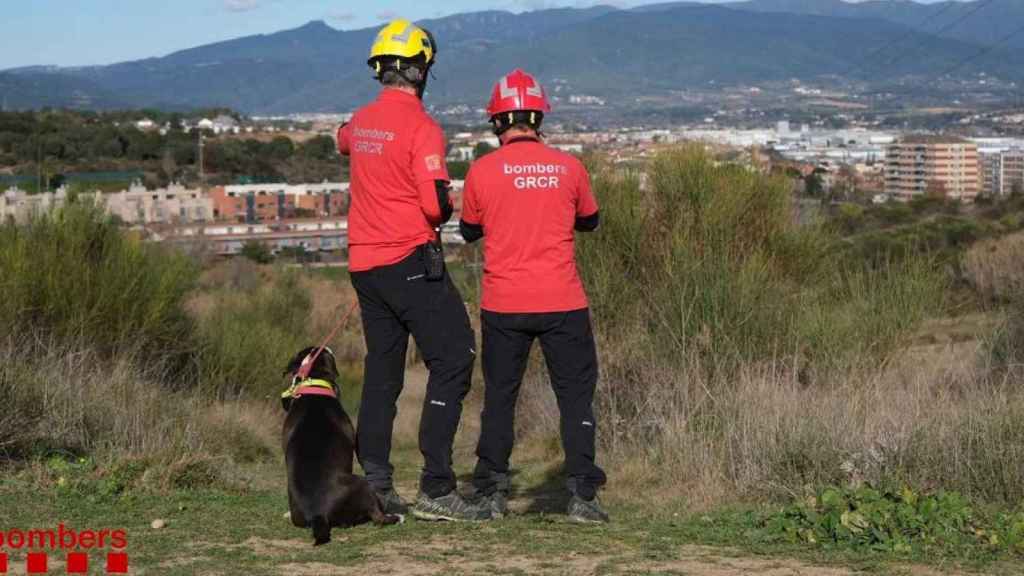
point(980, 22)
point(617, 54)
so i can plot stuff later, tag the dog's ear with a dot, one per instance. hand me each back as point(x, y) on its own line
point(329, 366)
point(296, 361)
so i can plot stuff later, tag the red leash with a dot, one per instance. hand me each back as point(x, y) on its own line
point(307, 362)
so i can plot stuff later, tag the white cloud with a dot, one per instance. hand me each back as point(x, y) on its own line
point(342, 16)
point(241, 5)
point(538, 4)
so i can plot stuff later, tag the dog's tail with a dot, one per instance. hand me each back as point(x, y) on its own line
point(321, 530)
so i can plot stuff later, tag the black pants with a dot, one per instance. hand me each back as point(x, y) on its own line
point(568, 344)
point(396, 301)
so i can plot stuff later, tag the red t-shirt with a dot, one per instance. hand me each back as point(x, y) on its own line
point(526, 196)
point(397, 151)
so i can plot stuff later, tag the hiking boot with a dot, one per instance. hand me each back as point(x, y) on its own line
point(450, 507)
point(496, 502)
point(586, 511)
point(392, 503)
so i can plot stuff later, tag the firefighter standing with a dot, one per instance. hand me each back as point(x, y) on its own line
point(526, 200)
point(399, 187)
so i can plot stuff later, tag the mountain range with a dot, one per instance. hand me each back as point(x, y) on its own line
point(618, 54)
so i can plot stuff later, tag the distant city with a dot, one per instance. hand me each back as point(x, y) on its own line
point(880, 165)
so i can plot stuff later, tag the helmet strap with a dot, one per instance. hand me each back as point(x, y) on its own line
point(500, 123)
point(405, 69)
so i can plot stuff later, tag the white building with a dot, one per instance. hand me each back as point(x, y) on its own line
point(461, 154)
point(137, 205)
point(20, 206)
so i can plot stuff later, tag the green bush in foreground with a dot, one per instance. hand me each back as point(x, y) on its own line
point(900, 521)
point(72, 275)
point(108, 355)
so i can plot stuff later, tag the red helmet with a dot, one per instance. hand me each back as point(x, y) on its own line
point(516, 92)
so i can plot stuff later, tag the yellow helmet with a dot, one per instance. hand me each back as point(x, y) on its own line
point(402, 39)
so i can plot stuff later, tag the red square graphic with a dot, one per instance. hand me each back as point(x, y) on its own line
point(3, 563)
point(78, 563)
point(36, 563)
point(117, 563)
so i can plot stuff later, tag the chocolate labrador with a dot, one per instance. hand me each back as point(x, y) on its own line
point(319, 445)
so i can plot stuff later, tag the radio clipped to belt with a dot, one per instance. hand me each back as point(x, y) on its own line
point(433, 258)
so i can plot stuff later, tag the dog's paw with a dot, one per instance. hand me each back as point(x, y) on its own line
point(401, 518)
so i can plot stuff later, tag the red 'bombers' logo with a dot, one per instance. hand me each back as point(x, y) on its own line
point(73, 546)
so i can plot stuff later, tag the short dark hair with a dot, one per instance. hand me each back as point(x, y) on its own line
point(402, 72)
point(395, 78)
point(523, 127)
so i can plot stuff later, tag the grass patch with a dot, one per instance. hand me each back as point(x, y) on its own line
point(244, 533)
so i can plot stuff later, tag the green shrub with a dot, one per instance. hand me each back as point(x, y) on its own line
point(249, 337)
point(72, 275)
point(193, 473)
point(850, 218)
point(900, 521)
point(257, 252)
point(739, 349)
point(893, 213)
point(123, 475)
point(101, 357)
point(709, 258)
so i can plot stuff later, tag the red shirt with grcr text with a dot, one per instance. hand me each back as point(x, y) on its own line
point(397, 151)
point(526, 196)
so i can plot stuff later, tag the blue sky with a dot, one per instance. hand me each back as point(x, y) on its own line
point(85, 32)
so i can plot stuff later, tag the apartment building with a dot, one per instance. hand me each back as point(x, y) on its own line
point(1002, 172)
point(20, 206)
point(264, 202)
point(176, 203)
point(919, 165)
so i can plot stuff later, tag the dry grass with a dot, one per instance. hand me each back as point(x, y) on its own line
point(930, 419)
point(995, 268)
point(331, 300)
point(72, 402)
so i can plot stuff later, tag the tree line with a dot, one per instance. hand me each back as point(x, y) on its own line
point(54, 142)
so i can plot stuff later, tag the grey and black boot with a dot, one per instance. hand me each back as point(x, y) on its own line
point(586, 511)
point(496, 502)
point(450, 507)
point(392, 503)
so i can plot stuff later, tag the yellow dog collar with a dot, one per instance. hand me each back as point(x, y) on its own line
point(308, 383)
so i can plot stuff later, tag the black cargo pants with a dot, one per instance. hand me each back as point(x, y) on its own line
point(567, 341)
point(397, 301)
